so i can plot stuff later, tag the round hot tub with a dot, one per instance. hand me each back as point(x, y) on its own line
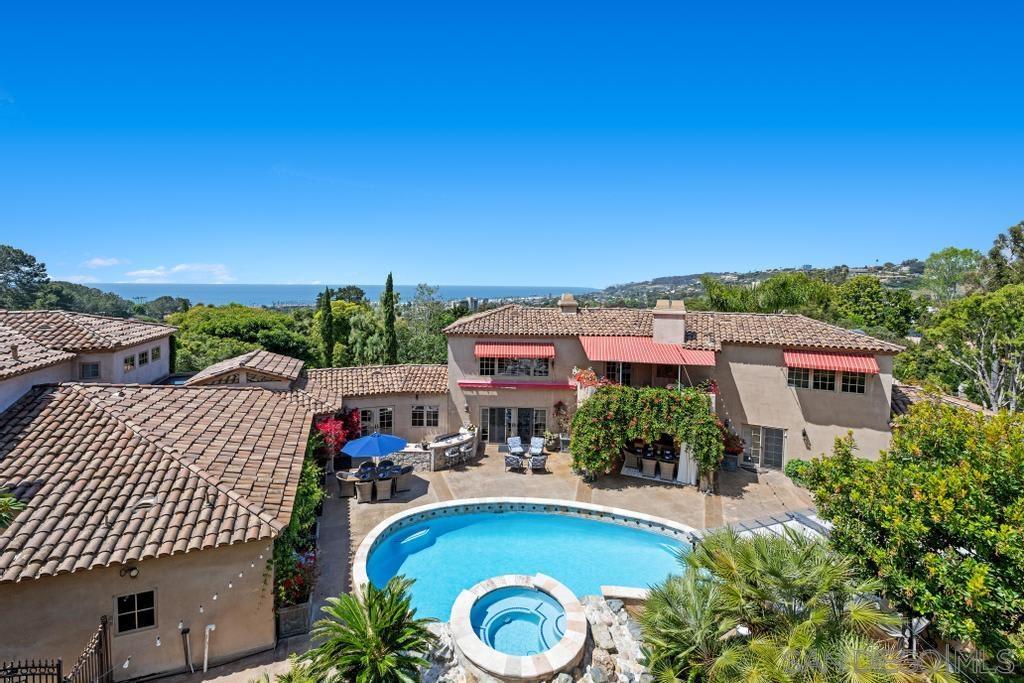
point(518, 620)
point(519, 628)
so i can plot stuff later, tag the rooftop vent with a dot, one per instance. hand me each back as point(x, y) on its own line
point(14, 351)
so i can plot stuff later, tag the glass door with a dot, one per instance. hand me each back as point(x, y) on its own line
point(774, 447)
point(494, 418)
point(524, 424)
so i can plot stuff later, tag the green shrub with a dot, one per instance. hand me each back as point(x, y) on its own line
point(797, 471)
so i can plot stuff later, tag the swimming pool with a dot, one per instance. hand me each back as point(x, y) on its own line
point(449, 548)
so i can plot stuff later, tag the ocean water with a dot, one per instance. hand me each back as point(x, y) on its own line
point(454, 552)
point(271, 295)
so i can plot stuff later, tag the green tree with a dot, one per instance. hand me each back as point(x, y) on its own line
point(939, 519)
point(22, 278)
point(772, 609)
point(388, 303)
point(783, 292)
point(351, 294)
point(1004, 263)
point(375, 638)
point(325, 324)
point(863, 301)
point(426, 317)
point(947, 271)
point(69, 296)
point(366, 345)
point(983, 336)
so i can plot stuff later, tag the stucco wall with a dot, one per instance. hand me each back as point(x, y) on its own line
point(112, 364)
point(13, 388)
point(55, 616)
point(753, 390)
point(403, 403)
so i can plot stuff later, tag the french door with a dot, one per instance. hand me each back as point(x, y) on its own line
point(764, 446)
point(499, 424)
point(376, 420)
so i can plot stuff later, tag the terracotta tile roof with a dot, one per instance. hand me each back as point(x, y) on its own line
point(264, 362)
point(69, 331)
point(906, 395)
point(704, 329)
point(120, 473)
point(336, 384)
point(31, 355)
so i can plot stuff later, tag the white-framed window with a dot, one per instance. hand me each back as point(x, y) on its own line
point(129, 363)
point(799, 378)
point(854, 382)
point(487, 366)
point(135, 611)
point(88, 371)
point(365, 422)
point(824, 380)
point(540, 421)
point(154, 354)
point(385, 420)
point(425, 416)
point(612, 372)
point(143, 358)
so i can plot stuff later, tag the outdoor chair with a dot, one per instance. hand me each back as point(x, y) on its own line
point(649, 466)
point(403, 482)
point(384, 464)
point(452, 457)
point(383, 487)
point(539, 463)
point(366, 465)
point(364, 491)
point(630, 460)
point(515, 445)
point(536, 446)
point(346, 485)
point(513, 462)
point(466, 451)
point(666, 470)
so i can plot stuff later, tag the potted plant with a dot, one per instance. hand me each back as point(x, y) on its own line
point(733, 446)
point(296, 576)
point(551, 441)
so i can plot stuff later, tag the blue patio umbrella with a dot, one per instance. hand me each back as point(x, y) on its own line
point(375, 445)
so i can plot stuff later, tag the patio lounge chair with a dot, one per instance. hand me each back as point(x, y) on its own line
point(346, 485)
point(364, 491)
point(539, 463)
point(649, 466)
point(403, 482)
point(536, 446)
point(515, 445)
point(383, 488)
point(513, 462)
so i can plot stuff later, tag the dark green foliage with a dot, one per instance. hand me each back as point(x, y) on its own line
point(616, 415)
point(10, 506)
point(797, 471)
point(939, 519)
point(325, 324)
point(352, 294)
point(22, 278)
point(863, 302)
point(1004, 263)
point(373, 638)
point(387, 305)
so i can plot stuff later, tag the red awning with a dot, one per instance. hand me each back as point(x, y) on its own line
point(831, 360)
point(487, 384)
point(643, 350)
point(501, 349)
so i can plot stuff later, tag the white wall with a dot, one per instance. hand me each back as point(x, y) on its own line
point(13, 388)
point(112, 364)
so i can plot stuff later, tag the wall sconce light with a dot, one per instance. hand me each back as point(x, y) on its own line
point(130, 572)
point(807, 439)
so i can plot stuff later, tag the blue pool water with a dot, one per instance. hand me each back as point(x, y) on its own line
point(454, 552)
point(518, 621)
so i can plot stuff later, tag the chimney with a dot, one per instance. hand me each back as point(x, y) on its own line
point(567, 304)
point(669, 322)
point(14, 351)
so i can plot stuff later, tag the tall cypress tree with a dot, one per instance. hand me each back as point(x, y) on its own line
point(388, 310)
point(327, 327)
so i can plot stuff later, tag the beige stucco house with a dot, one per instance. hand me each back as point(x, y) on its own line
point(788, 384)
point(153, 505)
point(41, 347)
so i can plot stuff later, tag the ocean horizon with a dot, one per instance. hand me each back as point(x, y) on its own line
point(305, 295)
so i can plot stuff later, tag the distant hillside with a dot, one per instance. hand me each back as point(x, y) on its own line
point(904, 275)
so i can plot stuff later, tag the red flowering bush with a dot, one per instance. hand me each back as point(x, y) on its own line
point(337, 433)
point(295, 578)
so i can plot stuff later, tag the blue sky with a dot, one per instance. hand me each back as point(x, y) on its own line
point(503, 143)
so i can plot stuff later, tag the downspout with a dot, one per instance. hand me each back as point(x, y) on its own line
point(206, 646)
point(186, 644)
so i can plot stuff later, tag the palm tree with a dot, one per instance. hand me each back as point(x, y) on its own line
point(9, 508)
point(373, 639)
point(772, 609)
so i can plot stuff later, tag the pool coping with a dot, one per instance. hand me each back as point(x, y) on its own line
point(550, 505)
point(563, 655)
